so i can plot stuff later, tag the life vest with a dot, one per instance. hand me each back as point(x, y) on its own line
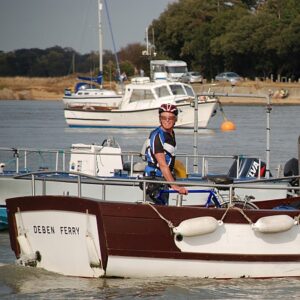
point(152, 169)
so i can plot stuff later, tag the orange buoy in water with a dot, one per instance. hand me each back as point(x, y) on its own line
point(228, 126)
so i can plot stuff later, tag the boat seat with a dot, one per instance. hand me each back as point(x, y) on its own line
point(220, 179)
point(137, 166)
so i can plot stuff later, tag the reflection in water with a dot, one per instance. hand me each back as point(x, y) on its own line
point(37, 283)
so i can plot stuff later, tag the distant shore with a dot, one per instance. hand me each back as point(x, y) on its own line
point(24, 88)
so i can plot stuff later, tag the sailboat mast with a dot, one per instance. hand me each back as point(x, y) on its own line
point(100, 36)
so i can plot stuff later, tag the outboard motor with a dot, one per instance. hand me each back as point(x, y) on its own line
point(291, 168)
point(248, 168)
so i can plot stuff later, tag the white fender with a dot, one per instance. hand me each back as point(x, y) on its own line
point(197, 226)
point(273, 224)
point(25, 246)
point(92, 251)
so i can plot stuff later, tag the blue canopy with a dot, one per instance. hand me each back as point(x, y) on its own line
point(97, 79)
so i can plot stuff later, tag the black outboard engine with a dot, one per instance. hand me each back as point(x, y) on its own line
point(291, 168)
point(248, 168)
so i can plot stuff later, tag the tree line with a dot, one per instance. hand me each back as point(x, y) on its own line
point(255, 38)
point(252, 38)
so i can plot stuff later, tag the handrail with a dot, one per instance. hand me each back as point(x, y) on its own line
point(34, 176)
point(59, 158)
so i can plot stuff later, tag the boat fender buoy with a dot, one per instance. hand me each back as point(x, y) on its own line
point(92, 252)
point(24, 245)
point(274, 224)
point(228, 126)
point(197, 226)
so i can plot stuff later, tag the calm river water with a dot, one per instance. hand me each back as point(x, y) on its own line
point(40, 124)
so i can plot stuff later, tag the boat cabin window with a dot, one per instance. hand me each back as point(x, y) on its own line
point(162, 91)
point(140, 94)
point(177, 89)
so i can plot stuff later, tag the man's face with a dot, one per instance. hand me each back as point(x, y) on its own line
point(167, 120)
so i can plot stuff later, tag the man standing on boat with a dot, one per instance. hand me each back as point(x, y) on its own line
point(160, 154)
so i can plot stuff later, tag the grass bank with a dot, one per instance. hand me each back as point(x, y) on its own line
point(25, 88)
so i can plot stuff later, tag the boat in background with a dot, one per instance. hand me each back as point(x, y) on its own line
point(90, 91)
point(139, 106)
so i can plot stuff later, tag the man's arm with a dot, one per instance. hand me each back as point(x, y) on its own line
point(160, 157)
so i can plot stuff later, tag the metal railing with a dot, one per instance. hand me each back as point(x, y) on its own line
point(80, 179)
point(25, 160)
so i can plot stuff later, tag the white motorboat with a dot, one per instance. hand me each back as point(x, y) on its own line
point(139, 105)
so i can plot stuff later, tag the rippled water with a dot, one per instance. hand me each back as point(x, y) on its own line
point(40, 124)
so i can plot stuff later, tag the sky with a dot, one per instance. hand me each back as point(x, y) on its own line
point(42, 24)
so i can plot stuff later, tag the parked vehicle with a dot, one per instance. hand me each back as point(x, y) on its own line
point(167, 70)
point(191, 77)
point(231, 77)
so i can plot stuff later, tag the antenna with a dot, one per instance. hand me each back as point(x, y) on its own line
point(150, 48)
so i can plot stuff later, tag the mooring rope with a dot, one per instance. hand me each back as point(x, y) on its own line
point(170, 224)
point(238, 209)
point(297, 219)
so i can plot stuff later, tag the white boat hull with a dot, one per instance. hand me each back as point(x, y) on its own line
point(75, 236)
point(151, 267)
point(80, 237)
point(141, 118)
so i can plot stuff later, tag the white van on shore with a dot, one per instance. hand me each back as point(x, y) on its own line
point(170, 70)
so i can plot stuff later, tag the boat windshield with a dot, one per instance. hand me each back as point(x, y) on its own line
point(141, 94)
point(162, 91)
point(189, 91)
point(177, 89)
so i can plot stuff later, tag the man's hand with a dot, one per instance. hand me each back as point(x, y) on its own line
point(180, 189)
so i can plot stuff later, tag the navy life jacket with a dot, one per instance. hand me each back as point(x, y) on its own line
point(152, 169)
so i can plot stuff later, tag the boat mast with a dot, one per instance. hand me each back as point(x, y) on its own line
point(100, 36)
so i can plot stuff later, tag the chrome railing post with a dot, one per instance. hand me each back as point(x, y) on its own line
point(56, 161)
point(44, 187)
point(64, 161)
point(32, 184)
point(144, 191)
point(230, 193)
point(104, 192)
point(131, 165)
point(17, 161)
point(179, 200)
point(79, 185)
point(25, 160)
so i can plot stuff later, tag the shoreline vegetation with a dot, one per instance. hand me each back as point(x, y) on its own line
point(25, 88)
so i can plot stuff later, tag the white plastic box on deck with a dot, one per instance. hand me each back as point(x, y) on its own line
point(95, 160)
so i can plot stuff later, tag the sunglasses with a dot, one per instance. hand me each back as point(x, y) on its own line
point(171, 118)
